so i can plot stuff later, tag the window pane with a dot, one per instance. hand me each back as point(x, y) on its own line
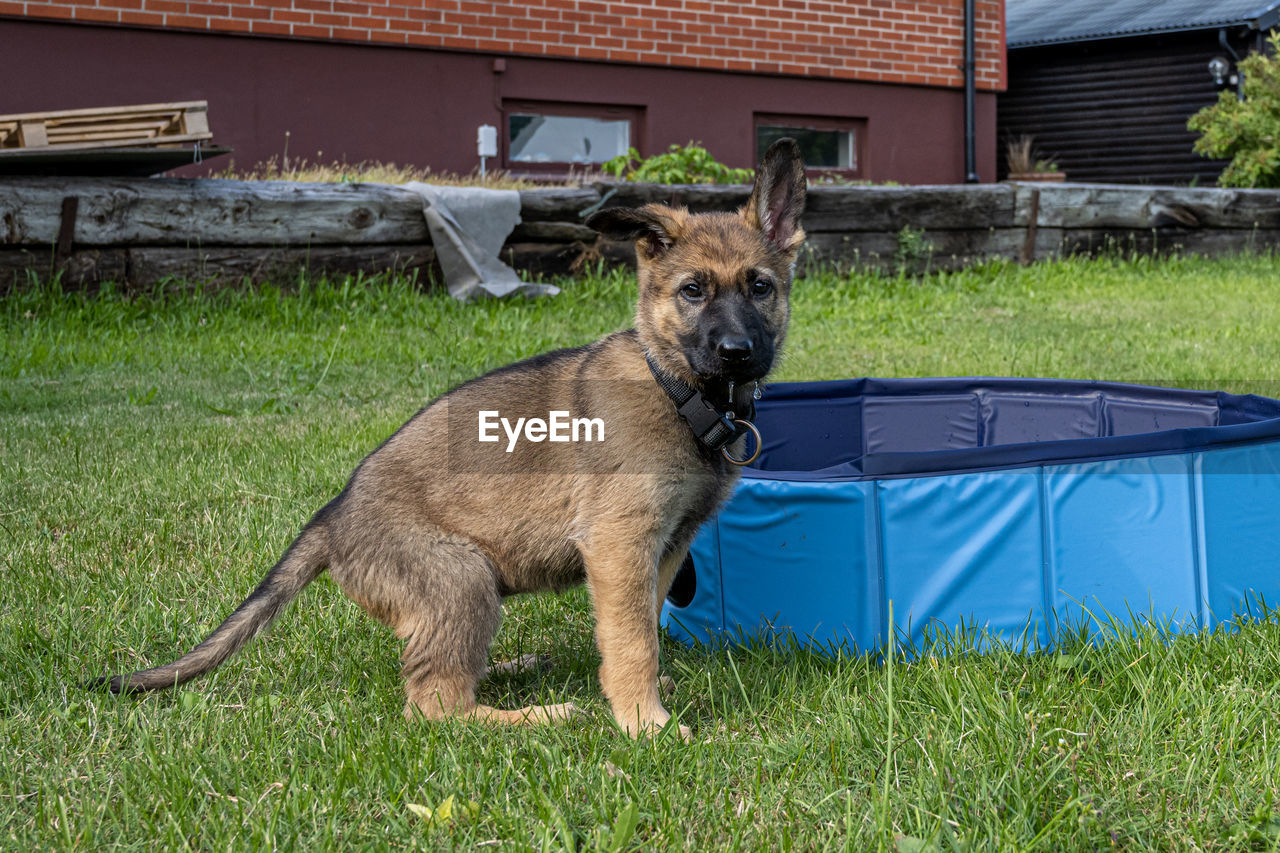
point(566, 139)
point(829, 149)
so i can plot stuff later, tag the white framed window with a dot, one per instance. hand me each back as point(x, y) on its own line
point(826, 144)
point(548, 134)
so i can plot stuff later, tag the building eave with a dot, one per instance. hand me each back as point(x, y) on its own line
point(1263, 18)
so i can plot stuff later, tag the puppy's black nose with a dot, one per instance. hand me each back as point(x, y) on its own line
point(734, 348)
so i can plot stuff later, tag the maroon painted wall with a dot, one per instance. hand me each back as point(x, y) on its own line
point(419, 106)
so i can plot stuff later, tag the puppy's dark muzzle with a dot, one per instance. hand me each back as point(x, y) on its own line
point(740, 359)
point(739, 366)
point(734, 352)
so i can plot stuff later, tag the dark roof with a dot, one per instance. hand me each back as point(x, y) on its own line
point(1031, 22)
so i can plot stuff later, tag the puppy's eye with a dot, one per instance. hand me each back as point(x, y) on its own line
point(691, 291)
point(763, 287)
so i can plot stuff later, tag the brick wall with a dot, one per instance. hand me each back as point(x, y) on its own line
point(894, 41)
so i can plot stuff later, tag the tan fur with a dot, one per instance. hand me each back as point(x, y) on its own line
point(435, 528)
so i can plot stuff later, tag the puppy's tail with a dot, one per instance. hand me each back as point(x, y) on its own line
point(300, 565)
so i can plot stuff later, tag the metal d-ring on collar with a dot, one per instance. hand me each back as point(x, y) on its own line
point(724, 451)
point(711, 426)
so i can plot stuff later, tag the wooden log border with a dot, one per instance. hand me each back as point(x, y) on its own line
point(144, 232)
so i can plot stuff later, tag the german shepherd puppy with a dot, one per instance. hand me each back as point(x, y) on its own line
point(437, 526)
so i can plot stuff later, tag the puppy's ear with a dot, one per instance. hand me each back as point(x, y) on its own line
point(777, 199)
point(654, 227)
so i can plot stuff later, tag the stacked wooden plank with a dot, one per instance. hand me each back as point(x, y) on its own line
point(145, 125)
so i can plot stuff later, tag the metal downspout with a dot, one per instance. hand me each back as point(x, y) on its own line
point(970, 94)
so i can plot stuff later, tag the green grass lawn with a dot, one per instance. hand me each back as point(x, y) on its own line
point(157, 455)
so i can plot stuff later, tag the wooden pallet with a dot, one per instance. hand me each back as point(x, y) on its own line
point(146, 125)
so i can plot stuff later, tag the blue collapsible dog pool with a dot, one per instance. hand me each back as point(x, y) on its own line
point(1011, 506)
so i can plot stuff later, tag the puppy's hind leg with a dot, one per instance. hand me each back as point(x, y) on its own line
point(448, 615)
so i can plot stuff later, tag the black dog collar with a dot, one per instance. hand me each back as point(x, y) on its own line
point(712, 427)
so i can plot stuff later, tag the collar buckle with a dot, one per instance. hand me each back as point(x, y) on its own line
point(707, 423)
point(711, 427)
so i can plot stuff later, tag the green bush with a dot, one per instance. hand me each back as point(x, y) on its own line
point(688, 164)
point(1247, 131)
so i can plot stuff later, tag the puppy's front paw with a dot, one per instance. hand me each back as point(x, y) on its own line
point(555, 713)
point(651, 725)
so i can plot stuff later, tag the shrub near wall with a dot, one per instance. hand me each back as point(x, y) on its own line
point(1246, 129)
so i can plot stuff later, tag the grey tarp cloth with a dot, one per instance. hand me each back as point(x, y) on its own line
point(468, 226)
